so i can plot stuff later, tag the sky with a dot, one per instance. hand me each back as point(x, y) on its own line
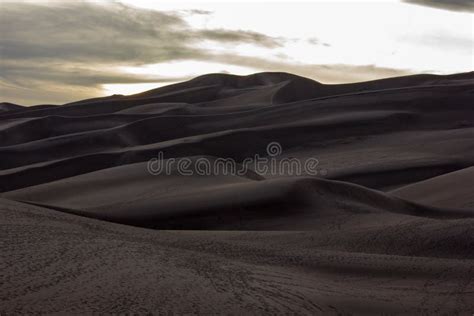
point(54, 52)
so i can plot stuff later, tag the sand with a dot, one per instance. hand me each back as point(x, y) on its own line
point(386, 226)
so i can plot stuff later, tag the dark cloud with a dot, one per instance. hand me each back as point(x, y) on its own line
point(240, 36)
point(70, 44)
point(65, 51)
point(111, 33)
point(452, 5)
point(31, 72)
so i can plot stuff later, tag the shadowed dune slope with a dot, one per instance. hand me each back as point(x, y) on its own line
point(217, 114)
point(365, 264)
point(129, 194)
point(454, 189)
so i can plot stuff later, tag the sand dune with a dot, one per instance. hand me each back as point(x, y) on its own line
point(355, 264)
point(386, 226)
point(127, 194)
point(9, 107)
point(454, 189)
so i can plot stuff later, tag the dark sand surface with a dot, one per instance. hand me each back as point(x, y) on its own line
point(386, 227)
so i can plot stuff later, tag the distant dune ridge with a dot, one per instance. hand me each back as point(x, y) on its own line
point(388, 227)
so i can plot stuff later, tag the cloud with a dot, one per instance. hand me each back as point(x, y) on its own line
point(105, 32)
point(200, 12)
point(333, 73)
point(80, 44)
point(315, 41)
point(72, 74)
point(45, 94)
point(65, 51)
point(240, 36)
point(452, 5)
